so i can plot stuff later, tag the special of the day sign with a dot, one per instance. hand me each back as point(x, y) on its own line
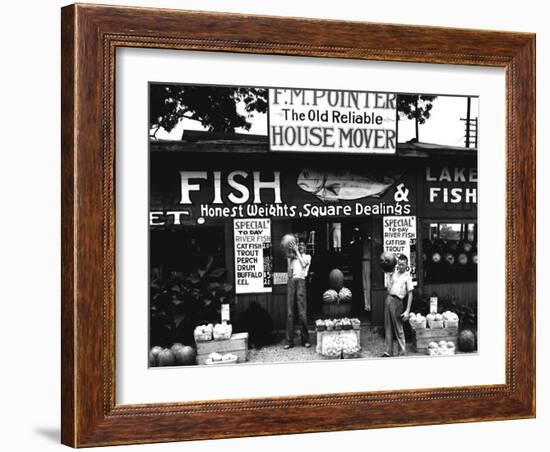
point(400, 238)
point(332, 121)
point(253, 255)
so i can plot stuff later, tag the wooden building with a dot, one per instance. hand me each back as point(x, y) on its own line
point(336, 203)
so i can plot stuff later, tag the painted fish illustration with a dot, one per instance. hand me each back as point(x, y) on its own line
point(344, 185)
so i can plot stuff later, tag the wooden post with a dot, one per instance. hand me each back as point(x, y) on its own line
point(468, 108)
point(416, 117)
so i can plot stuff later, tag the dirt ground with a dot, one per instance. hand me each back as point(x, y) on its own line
point(372, 346)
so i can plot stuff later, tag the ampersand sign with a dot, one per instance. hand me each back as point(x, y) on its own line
point(401, 193)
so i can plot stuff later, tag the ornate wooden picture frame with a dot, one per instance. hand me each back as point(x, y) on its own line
point(90, 38)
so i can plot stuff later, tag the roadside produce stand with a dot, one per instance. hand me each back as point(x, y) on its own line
point(217, 345)
point(434, 329)
point(237, 345)
point(338, 338)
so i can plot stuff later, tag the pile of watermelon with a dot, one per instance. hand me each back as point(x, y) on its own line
point(177, 355)
point(337, 292)
point(343, 296)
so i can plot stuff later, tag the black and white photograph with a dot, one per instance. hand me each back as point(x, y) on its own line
point(292, 225)
point(255, 226)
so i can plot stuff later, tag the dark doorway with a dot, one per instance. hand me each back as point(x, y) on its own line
point(345, 244)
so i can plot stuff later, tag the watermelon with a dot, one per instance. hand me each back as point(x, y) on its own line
point(166, 357)
point(153, 356)
point(387, 261)
point(185, 355)
point(336, 279)
point(152, 360)
point(330, 296)
point(288, 241)
point(467, 341)
point(176, 346)
point(344, 295)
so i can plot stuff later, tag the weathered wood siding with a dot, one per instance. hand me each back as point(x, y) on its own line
point(465, 293)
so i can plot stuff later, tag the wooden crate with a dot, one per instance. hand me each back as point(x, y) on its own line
point(323, 334)
point(237, 344)
point(336, 310)
point(423, 336)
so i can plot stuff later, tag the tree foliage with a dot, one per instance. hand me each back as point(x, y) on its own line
point(215, 107)
point(414, 106)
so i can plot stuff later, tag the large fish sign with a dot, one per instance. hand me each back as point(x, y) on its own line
point(345, 185)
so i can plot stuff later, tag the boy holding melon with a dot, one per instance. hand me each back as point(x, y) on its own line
point(400, 287)
point(298, 268)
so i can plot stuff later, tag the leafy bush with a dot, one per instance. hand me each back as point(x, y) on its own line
point(179, 302)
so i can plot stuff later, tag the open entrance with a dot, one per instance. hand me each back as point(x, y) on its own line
point(344, 244)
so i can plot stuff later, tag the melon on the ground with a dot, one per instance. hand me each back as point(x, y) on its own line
point(166, 357)
point(185, 355)
point(336, 279)
point(152, 359)
point(176, 346)
point(467, 341)
point(153, 355)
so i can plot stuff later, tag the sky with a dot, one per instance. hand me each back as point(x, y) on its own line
point(444, 127)
point(258, 121)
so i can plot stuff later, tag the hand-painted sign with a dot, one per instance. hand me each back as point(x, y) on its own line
point(303, 190)
point(332, 121)
point(400, 238)
point(253, 256)
point(451, 188)
point(280, 278)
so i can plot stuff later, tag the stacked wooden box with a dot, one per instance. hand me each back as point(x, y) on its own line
point(237, 345)
point(324, 334)
point(423, 336)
